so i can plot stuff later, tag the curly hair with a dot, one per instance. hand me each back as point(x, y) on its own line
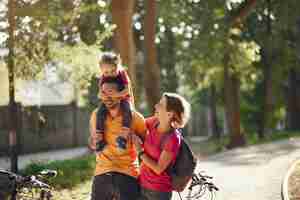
point(180, 107)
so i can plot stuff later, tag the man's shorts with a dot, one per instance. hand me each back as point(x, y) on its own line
point(114, 186)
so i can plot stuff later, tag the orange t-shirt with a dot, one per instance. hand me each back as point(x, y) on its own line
point(112, 158)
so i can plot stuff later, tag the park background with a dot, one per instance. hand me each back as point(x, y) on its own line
point(236, 61)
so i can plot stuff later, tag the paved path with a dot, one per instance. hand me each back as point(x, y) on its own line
point(251, 173)
point(24, 160)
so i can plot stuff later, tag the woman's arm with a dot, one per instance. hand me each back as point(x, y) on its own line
point(162, 164)
point(158, 167)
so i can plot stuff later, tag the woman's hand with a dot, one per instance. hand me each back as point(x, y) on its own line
point(126, 132)
point(137, 142)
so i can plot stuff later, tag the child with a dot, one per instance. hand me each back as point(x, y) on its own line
point(110, 67)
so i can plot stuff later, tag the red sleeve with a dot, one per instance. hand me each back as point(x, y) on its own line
point(124, 76)
point(172, 144)
point(150, 122)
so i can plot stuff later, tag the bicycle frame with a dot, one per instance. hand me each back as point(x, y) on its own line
point(206, 188)
point(26, 187)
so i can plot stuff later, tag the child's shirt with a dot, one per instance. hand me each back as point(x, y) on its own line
point(123, 80)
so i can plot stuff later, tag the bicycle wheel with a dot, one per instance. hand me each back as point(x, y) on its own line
point(201, 192)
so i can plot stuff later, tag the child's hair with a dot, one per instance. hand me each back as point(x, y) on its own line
point(110, 58)
point(180, 107)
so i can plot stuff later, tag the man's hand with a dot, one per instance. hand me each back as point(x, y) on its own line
point(94, 138)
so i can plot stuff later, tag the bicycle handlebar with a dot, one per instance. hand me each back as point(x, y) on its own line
point(32, 180)
point(47, 173)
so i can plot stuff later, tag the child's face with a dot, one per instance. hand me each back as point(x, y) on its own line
point(108, 69)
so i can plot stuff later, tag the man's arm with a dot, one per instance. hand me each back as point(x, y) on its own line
point(139, 125)
point(94, 137)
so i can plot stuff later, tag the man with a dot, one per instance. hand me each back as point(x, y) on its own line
point(116, 169)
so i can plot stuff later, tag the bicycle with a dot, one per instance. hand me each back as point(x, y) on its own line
point(201, 187)
point(34, 187)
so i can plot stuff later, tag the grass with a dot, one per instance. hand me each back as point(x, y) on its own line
point(70, 172)
point(294, 183)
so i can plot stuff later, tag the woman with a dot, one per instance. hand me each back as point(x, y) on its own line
point(161, 146)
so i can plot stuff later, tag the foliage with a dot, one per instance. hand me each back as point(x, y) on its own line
point(70, 172)
point(55, 34)
point(31, 39)
point(78, 35)
point(200, 31)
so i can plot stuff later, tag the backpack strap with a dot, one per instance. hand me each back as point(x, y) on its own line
point(165, 137)
point(163, 141)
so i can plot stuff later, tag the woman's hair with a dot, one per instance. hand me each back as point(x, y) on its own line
point(180, 107)
point(110, 58)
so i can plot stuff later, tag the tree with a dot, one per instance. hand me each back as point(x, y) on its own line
point(24, 30)
point(278, 56)
point(293, 98)
point(212, 114)
point(122, 12)
point(35, 30)
point(11, 78)
point(152, 71)
point(231, 80)
point(266, 115)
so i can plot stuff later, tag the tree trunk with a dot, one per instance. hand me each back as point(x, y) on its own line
point(232, 106)
point(122, 12)
point(265, 122)
point(152, 71)
point(232, 83)
point(293, 101)
point(11, 79)
point(212, 114)
point(74, 122)
point(268, 82)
